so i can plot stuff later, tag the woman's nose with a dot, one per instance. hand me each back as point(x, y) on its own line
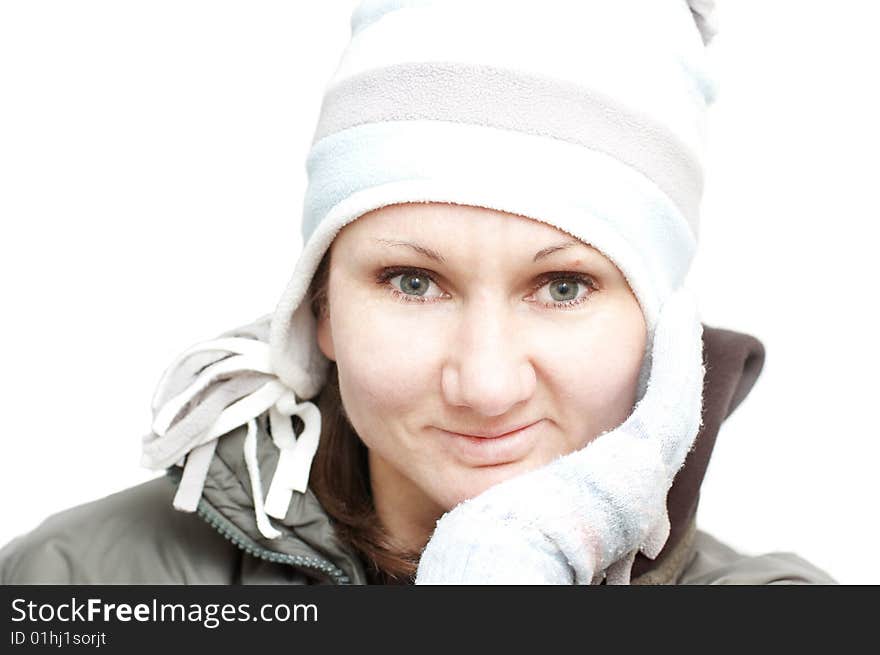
point(488, 367)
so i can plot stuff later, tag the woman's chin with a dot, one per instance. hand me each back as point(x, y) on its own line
point(475, 480)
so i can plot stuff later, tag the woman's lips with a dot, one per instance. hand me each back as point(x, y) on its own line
point(491, 451)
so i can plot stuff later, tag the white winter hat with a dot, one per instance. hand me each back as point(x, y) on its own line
point(587, 115)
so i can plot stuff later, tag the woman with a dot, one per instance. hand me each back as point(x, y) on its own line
point(485, 367)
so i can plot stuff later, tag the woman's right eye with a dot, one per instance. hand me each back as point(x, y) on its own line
point(413, 286)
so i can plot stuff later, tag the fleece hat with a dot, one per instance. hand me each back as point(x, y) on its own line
point(587, 115)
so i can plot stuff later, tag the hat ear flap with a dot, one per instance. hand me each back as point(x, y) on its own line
point(210, 390)
point(308, 364)
point(296, 358)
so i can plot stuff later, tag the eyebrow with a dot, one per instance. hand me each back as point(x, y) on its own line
point(559, 246)
point(427, 252)
point(437, 257)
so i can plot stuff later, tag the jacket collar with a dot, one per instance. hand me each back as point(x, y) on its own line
point(307, 539)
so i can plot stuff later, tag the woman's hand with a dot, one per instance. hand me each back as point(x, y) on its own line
point(588, 513)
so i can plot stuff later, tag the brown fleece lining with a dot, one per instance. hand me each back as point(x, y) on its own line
point(733, 363)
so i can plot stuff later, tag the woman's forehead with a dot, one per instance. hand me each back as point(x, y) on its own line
point(450, 223)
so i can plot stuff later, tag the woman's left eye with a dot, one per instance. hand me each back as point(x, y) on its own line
point(565, 290)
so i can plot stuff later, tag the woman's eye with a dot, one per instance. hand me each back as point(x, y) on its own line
point(414, 285)
point(556, 290)
point(565, 291)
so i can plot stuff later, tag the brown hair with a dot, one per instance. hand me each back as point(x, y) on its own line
point(340, 475)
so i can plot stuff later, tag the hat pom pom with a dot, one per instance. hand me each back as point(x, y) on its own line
point(706, 16)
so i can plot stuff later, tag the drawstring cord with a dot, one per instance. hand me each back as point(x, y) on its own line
point(245, 357)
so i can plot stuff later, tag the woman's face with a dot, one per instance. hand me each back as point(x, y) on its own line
point(448, 320)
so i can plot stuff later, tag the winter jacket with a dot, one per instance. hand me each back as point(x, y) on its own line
point(135, 536)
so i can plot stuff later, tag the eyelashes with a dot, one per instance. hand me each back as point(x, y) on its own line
point(583, 281)
point(414, 278)
point(413, 273)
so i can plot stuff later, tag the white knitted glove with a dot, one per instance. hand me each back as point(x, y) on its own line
point(588, 513)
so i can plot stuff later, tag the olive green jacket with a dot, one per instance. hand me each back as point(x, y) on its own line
point(135, 536)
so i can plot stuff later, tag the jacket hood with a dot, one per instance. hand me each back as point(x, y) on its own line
point(733, 363)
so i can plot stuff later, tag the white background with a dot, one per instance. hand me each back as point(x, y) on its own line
point(151, 179)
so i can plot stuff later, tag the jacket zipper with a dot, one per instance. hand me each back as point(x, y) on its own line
point(233, 534)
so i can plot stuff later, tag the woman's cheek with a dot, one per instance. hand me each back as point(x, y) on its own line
point(594, 381)
point(389, 359)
